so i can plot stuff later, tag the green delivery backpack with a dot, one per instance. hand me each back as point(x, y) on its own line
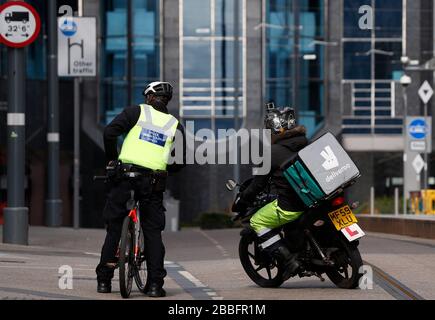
point(320, 170)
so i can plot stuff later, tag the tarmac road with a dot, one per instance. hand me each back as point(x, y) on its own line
point(204, 265)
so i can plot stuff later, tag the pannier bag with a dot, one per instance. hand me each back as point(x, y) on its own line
point(320, 170)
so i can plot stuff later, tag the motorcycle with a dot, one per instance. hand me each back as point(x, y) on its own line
point(325, 239)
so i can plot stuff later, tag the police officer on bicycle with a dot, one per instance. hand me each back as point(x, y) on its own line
point(150, 136)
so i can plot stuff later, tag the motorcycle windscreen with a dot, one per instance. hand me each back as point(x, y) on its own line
point(329, 163)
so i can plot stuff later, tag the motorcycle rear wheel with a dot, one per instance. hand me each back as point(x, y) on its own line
point(265, 273)
point(349, 259)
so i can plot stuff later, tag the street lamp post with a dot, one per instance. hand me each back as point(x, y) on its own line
point(405, 81)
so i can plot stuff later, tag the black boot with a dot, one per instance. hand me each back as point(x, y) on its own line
point(104, 278)
point(104, 287)
point(274, 246)
point(155, 291)
point(287, 260)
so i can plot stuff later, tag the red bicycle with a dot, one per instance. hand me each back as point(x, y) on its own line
point(131, 250)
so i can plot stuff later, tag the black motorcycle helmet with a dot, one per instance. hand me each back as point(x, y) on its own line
point(279, 121)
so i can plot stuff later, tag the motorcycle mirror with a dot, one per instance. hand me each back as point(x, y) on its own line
point(231, 185)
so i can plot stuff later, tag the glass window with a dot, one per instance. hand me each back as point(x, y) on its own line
point(388, 18)
point(352, 19)
point(207, 86)
point(145, 61)
point(196, 18)
point(357, 60)
point(197, 59)
point(224, 18)
point(280, 58)
point(387, 60)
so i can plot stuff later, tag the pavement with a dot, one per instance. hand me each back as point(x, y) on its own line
point(204, 265)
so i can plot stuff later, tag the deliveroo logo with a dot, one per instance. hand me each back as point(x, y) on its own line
point(331, 161)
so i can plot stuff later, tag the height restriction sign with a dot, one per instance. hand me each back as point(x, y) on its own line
point(19, 24)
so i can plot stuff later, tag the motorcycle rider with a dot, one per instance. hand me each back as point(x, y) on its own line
point(287, 139)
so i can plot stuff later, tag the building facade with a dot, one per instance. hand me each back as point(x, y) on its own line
point(311, 54)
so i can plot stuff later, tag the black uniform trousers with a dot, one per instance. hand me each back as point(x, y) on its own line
point(152, 215)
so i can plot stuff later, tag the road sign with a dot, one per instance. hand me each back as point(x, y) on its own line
point(418, 163)
point(419, 131)
point(419, 146)
point(425, 92)
point(77, 47)
point(19, 24)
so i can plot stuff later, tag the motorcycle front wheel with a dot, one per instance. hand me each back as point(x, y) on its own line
point(264, 271)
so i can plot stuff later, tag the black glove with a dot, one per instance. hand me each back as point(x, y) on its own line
point(112, 169)
point(239, 204)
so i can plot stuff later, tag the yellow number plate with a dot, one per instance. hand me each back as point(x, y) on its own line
point(342, 218)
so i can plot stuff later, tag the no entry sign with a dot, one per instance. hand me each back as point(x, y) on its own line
point(19, 24)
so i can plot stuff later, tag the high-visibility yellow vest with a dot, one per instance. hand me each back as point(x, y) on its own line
point(149, 142)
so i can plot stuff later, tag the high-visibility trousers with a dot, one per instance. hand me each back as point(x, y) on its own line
point(271, 216)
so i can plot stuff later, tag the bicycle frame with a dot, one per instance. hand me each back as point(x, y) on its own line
point(135, 217)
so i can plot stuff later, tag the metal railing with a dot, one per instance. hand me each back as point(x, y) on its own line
point(373, 108)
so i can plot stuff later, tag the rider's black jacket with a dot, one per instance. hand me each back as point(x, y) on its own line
point(123, 123)
point(284, 147)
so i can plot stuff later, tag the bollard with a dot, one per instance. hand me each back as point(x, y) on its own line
point(372, 201)
point(396, 201)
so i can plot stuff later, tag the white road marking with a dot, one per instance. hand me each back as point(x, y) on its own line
point(216, 243)
point(92, 254)
point(192, 279)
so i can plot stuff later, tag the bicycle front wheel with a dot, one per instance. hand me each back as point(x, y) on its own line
point(126, 256)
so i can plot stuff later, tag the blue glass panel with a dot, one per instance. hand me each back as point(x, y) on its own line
point(197, 18)
point(145, 45)
point(197, 59)
point(352, 18)
point(224, 62)
point(225, 18)
point(388, 62)
point(388, 17)
point(357, 60)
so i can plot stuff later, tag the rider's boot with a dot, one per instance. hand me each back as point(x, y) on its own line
point(275, 247)
point(287, 260)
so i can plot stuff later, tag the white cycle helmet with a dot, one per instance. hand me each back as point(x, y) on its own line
point(159, 88)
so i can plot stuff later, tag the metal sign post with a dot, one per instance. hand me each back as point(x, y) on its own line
point(19, 26)
point(426, 92)
point(416, 142)
point(77, 38)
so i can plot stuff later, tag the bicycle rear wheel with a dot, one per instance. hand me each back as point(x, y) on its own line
point(140, 274)
point(126, 254)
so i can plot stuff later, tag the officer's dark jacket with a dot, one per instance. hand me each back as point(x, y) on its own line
point(283, 148)
point(123, 123)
